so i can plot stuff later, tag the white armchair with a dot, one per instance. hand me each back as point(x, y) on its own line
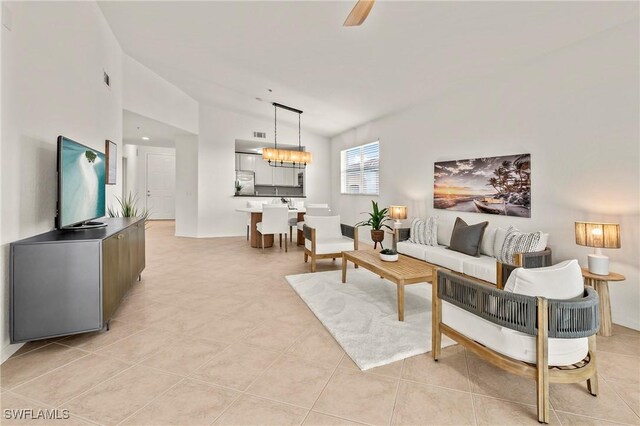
point(326, 238)
point(542, 326)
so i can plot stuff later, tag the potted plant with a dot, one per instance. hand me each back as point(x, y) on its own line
point(128, 208)
point(389, 255)
point(238, 187)
point(376, 221)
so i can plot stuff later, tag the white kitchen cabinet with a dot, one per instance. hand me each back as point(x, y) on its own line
point(247, 162)
point(264, 172)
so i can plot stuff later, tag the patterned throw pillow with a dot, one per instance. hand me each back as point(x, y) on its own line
point(424, 231)
point(519, 242)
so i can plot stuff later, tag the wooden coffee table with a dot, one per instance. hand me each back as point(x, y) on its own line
point(405, 271)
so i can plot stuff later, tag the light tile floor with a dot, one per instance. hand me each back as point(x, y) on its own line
point(214, 335)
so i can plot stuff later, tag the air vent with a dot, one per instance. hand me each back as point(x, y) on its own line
point(106, 80)
point(261, 135)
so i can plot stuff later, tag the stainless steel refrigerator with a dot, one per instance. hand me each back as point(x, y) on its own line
point(247, 179)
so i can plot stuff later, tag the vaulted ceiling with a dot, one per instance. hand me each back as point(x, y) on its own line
point(230, 53)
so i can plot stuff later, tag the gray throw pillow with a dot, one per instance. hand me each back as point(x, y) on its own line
point(467, 238)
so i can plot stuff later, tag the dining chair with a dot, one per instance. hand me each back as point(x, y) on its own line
point(293, 217)
point(251, 205)
point(275, 220)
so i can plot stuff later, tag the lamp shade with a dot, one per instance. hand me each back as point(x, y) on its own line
point(398, 212)
point(600, 235)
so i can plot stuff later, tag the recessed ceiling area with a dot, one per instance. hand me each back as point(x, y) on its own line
point(230, 53)
point(135, 127)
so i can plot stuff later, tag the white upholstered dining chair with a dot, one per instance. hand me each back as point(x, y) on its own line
point(275, 220)
point(251, 205)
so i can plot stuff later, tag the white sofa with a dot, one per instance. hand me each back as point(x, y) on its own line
point(485, 267)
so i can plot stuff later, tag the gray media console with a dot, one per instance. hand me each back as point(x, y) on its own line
point(68, 282)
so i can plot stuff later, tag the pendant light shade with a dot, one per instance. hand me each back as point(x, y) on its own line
point(287, 158)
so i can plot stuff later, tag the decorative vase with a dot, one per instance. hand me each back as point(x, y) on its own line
point(377, 235)
point(389, 257)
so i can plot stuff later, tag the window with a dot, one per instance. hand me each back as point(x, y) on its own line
point(360, 169)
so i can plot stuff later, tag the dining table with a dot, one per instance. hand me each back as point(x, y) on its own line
point(256, 217)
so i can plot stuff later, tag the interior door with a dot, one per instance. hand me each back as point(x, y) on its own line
point(161, 186)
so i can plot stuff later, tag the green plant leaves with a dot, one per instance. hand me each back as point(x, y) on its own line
point(377, 218)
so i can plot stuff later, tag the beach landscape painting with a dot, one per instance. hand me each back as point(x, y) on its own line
point(492, 185)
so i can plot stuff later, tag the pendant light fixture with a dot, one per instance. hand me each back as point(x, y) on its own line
point(286, 158)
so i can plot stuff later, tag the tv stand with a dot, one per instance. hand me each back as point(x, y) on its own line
point(90, 224)
point(65, 283)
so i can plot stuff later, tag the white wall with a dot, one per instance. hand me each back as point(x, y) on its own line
point(576, 110)
point(148, 94)
point(187, 186)
point(52, 65)
point(216, 167)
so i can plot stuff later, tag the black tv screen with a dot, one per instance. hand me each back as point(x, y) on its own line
point(81, 183)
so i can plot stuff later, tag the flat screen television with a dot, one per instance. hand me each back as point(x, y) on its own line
point(81, 185)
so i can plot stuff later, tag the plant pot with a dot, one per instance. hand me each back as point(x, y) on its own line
point(377, 235)
point(389, 257)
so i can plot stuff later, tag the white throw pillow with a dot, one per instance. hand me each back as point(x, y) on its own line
point(424, 232)
point(326, 226)
point(560, 281)
point(501, 234)
point(488, 241)
point(444, 232)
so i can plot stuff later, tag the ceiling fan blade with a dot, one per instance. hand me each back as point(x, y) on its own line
point(359, 13)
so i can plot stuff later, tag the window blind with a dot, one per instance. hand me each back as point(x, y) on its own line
point(360, 169)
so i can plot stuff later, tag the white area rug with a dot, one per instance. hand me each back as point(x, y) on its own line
point(362, 315)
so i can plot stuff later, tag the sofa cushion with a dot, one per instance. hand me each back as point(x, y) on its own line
point(466, 238)
point(509, 342)
point(488, 241)
point(331, 245)
point(446, 258)
point(445, 228)
point(424, 231)
point(560, 281)
point(325, 226)
point(418, 251)
point(483, 268)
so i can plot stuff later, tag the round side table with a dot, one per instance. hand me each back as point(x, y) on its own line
point(601, 284)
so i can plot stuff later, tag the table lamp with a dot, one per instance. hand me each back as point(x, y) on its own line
point(598, 235)
point(398, 213)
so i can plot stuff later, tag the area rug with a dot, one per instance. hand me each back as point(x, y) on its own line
point(362, 315)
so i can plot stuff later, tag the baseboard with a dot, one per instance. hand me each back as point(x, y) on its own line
point(627, 322)
point(9, 350)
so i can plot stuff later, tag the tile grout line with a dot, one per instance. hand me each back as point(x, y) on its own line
point(37, 402)
point(243, 392)
point(86, 354)
point(335, 415)
point(395, 399)
point(473, 404)
point(325, 386)
point(618, 394)
point(151, 401)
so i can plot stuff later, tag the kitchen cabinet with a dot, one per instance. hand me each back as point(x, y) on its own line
point(264, 172)
point(246, 162)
